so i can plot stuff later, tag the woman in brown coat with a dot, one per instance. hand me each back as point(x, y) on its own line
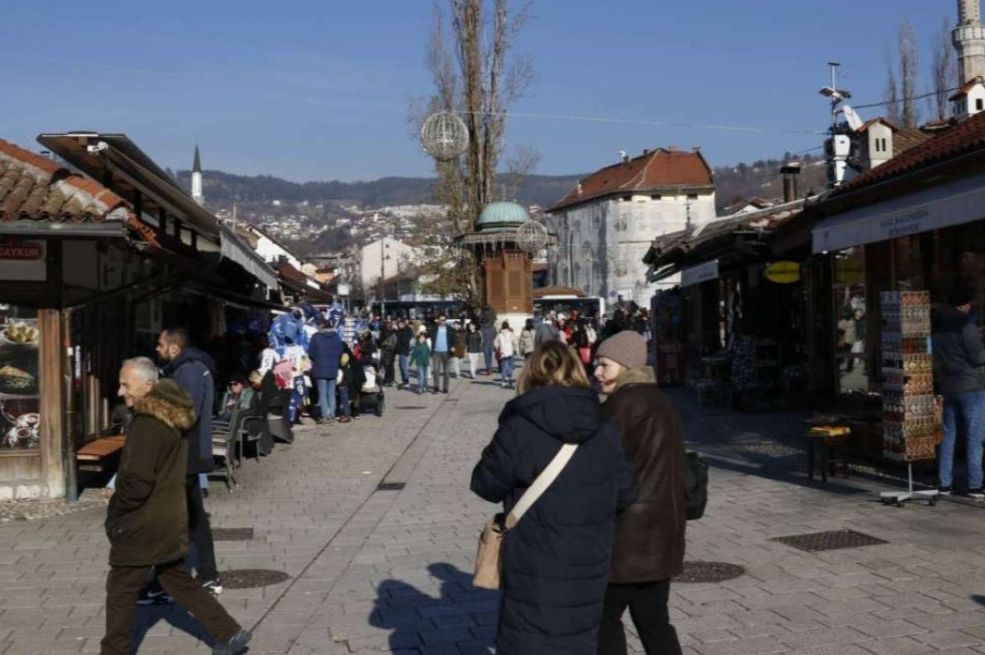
point(649, 543)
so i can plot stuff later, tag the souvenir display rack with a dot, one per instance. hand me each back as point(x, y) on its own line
point(911, 414)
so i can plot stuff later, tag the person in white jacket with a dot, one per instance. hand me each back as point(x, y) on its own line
point(506, 346)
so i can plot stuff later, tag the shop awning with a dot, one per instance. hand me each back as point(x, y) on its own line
point(107, 229)
point(237, 251)
point(954, 203)
point(700, 273)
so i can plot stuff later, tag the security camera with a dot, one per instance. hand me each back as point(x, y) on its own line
point(96, 147)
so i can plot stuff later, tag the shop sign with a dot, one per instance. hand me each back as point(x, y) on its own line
point(23, 260)
point(700, 273)
point(783, 272)
point(942, 206)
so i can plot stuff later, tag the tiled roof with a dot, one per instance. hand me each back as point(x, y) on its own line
point(966, 136)
point(659, 169)
point(908, 137)
point(966, 87)
point(35, 188)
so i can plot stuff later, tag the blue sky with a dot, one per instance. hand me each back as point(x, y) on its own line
point(319, 89)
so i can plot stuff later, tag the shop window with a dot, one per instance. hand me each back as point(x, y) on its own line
point(849, 316)
point(19, 378)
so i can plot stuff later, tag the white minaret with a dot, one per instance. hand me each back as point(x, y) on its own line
point(197, 179)
point(969, 40)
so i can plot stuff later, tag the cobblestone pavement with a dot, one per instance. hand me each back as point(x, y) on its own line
point(384, 568)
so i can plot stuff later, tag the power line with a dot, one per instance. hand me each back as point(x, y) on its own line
point(646, 123)
point(902, 100)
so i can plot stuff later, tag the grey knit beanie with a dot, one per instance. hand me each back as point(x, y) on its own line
point(627, 348)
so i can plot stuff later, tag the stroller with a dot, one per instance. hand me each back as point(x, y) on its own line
point(371, 393)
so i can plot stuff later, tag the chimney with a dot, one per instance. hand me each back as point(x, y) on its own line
point(791, 180)
point(579, 187)
point(623, 157)
point(646, 151)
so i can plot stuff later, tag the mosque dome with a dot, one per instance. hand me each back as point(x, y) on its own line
point(501, 216)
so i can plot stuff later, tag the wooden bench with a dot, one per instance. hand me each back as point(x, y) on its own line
point(96, 455)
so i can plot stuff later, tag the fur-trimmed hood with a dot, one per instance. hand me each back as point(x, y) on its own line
point(637, 375)
point(170, 404)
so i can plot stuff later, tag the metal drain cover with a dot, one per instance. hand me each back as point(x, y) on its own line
point(709, 572)
point(831, 540)
point(390, 486)
point(232, 534)
point(410, 407)
point(251, 578)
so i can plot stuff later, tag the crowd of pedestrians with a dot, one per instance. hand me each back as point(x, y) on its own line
point(322, 364)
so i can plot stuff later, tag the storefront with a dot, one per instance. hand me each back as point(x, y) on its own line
point(87, 280)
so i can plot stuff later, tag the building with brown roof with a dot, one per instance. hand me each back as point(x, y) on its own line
point(605, 224)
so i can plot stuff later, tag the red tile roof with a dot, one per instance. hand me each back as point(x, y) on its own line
point(659, 169)
point(965, 137)
point(966, 87)
point(35, 188)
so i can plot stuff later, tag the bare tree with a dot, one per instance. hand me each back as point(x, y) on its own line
point(475, 75)
point(907, 43)
point(891, 95)
point(521, 162)
point(943, 70)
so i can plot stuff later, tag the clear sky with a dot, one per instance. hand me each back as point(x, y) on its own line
point(319, 89)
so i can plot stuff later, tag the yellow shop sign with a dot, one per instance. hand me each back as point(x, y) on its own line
point(783, 272)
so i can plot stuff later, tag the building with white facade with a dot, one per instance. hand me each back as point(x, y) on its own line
point(396, 257)
point(604, 226)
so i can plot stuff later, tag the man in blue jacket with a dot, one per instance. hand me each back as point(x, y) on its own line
point(194, 371)
point(325, 352)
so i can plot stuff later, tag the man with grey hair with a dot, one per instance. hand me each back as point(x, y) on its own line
point(147, 517)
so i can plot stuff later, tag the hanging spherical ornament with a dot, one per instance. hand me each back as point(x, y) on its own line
point(444, 135)
point(531, 236)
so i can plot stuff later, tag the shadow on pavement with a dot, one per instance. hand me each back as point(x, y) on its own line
point(978, 598)
point(149, 615)
point(418, 619)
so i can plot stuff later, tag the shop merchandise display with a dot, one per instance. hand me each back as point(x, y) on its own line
point(19, 381)
point(910, 411)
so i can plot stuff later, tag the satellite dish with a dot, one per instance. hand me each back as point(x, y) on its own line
point(851, 117)
point(444, 135)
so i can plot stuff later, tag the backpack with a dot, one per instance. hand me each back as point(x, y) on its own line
point(695, 485)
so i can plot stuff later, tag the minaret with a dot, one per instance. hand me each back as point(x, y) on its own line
point(197, 179)
point(969, 40)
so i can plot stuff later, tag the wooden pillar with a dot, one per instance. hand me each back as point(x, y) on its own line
point(51, 431)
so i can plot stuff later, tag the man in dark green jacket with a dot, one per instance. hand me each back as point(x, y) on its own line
point(147, 518)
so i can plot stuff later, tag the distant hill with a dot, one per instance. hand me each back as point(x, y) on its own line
point(225, 188)
point(759, 179)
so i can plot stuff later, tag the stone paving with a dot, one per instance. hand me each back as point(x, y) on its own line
point(381, 570)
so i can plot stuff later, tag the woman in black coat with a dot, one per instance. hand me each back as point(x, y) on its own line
point(556, 559)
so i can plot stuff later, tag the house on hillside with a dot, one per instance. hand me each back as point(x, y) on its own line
point(604, 226)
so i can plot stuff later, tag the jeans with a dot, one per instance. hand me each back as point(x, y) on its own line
point(440, 362)
point(967, 412)
point(345, 409)
point(473, 364)
point(405, 368)
point(487, 351)
point(200, 530)
point(422, 378)
point(506, 369)
point(298, 394)
point(647, 602)
point(326, 397)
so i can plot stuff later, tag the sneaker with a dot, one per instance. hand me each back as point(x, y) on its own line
point(976, 494)
point(945, 491)
point(214, 586)
point(344, 419)
point(154, 597)
point(235, 645)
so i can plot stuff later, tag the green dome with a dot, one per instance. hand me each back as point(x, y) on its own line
point(499, 215)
